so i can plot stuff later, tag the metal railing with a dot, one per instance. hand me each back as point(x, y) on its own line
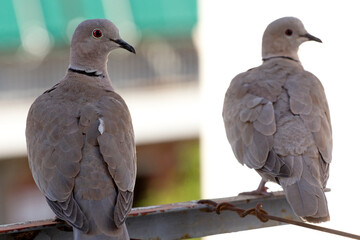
point(171, 221)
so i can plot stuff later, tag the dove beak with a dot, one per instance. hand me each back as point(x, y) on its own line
point(312, 38)
point(124, 45)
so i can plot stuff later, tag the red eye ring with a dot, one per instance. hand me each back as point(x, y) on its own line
point(97, 33)
point(289, 32)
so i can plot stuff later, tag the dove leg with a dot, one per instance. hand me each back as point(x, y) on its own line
point(260, 191)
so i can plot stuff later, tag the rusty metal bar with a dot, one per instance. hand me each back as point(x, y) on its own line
point(171, 221)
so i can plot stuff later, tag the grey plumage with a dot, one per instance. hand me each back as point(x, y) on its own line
point(80, 140)
point(277, 121)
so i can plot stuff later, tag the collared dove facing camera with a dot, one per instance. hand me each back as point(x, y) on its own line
point(277, 121)
point(80, 140)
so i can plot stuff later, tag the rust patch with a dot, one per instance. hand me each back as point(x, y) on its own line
point(283, 210)
point(65, 228)
point(185, 236)
point(146, 213)
point(25, 235)
point(23, 226)
point(142, 213)
point(207, 210)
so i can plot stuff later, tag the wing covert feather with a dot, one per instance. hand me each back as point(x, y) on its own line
point(307, 98)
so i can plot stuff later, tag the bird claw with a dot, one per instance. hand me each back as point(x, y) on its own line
point(260, 191)
point(257, 192)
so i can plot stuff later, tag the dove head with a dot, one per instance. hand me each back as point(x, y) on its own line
point(91, 44)
point(283, 37)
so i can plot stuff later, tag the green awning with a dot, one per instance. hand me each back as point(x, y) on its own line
point(169, 18)
point(166, 17)
point(10, 37)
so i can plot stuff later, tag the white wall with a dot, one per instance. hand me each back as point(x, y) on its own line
point(229, 40)
point(161, 113)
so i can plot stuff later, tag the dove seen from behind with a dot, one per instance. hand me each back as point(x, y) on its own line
point(80, 140)
point(277, 121)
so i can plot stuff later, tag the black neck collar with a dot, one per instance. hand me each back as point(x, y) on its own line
point(90, 74)
point(285, 57)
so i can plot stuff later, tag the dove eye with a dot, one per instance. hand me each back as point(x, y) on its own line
point(288, 32)
point(97, 33)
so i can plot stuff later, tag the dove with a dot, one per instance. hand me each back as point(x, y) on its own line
point(277, 121)
point(80, 139)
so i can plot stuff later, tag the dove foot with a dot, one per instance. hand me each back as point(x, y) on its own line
point(260, 191)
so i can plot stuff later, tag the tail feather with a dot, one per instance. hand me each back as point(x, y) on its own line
point(121, 234)
point(307, 200)
point(100, 216)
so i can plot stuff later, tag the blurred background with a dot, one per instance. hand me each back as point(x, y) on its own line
point(187, 53)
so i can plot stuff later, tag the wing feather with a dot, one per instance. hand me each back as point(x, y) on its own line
point(54, 143)
point(117, 146)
